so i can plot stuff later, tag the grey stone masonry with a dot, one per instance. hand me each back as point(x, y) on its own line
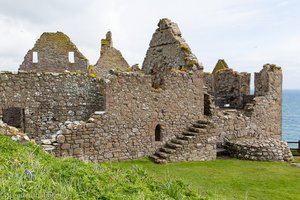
point(168, 50)
point(197, 142)
point(110, 58)
point(260, 117)
point(134, 109)
point(46, 100)
point(229, 88)
point(54, 52)
point(262, 149)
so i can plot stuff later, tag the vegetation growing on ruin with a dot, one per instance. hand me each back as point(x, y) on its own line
point(221, 64)
point(185, 48)
point(274, 67)
point(60, 40)
point(92, 71)
point(27, 172)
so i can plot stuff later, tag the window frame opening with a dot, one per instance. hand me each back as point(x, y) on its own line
point(158, 133)
point(71, 57)
point(35, 57)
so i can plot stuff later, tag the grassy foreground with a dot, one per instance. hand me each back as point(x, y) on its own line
point(56, 178)
point(231, 179)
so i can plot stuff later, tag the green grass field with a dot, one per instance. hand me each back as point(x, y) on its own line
point(61, 178)
point(231, 179)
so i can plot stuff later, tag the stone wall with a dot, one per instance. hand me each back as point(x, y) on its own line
point(168, 50)
point(52, 50)
point(229, 88)
point(208, 82)
point(261, 117)
point(197, 142)
point(110, 58)
point(48, 99)
point(262, 149)
point(126, 130)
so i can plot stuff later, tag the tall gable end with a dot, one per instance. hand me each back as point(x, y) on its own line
point(54, 52)
point(168, 49)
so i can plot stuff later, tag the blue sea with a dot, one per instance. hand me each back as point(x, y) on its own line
point(291, 115)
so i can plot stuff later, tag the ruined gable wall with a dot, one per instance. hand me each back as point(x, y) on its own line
point(133, 109)
point(53, 55)
point(168, 50)
point(49, 99)
point(110, 58)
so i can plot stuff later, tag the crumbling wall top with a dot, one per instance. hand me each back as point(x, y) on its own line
point(168, 50)
point(110, 58)
point(268, 82)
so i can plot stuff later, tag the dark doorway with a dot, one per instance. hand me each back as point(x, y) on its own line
point(14, 117)
point(158, 136)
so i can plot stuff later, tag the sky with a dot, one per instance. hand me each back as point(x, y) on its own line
point(246, 33)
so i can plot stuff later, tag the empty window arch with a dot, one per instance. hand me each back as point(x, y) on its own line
point(158, 135)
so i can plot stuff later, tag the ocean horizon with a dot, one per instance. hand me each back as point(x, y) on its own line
point(291, 115)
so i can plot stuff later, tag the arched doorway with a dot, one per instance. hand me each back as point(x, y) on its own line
point(158, 135)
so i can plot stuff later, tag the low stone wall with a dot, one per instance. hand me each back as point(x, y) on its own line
point(261, 149)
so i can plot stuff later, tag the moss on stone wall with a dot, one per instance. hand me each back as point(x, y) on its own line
point(221, 64)
point(60, 41)
point(92, 71)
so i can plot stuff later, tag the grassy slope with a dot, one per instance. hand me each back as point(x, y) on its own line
point(73, 179)
point(231, 179)
point(65, 178)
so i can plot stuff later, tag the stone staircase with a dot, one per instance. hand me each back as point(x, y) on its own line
point(179, 148)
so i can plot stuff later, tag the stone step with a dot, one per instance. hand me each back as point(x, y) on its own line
point(197, 130)
point(199, 125)
point(185, 137)
point(179, 141)
point(189, 133)
point(203, 121)
point(173, 145)
point(162, 154)
point(157, 159)
point(167, 150)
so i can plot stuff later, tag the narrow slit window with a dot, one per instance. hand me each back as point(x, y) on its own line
point(71, 57)
point(35, 58)
point(158, 136)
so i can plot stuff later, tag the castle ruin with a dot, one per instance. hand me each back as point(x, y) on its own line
point(170, 110)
